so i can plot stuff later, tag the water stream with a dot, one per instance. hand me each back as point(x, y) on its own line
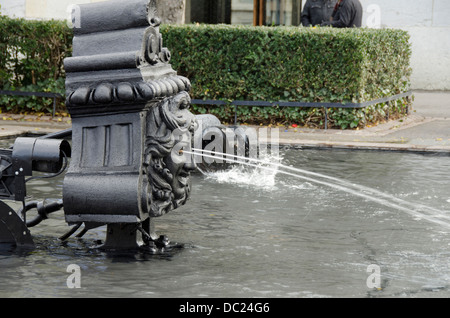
point(311, 226)
point(415, 209)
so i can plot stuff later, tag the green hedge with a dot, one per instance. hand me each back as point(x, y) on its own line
point(31, 59)
point(293, 64)
point(229, 62)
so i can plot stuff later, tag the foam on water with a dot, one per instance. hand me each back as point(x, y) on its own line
point(254, 175)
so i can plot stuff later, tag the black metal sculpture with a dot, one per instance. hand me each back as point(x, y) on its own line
point(130, 118)
point(28, 155)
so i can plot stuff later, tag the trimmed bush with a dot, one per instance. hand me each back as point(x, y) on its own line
point(31, 59)
point(229, 62)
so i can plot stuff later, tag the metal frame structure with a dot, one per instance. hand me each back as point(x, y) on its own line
point(55, 96)
point(237, 103)
point(325, 106)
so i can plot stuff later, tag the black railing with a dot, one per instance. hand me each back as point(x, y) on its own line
point(326, 106)
point(55, 96)
point(238, 103)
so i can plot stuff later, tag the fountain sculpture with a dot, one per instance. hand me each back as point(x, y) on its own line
point(129, 110)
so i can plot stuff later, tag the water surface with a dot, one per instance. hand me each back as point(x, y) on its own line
point(261, 234)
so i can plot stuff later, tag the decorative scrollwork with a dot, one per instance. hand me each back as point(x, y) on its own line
point(153, 51)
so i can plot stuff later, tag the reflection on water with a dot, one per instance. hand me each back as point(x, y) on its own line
point(293, 238)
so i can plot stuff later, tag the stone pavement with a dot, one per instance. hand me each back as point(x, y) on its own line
point(426, 129)
point(18, 125)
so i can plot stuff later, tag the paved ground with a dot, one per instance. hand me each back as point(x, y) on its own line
point(17, 125)
point(426, 129)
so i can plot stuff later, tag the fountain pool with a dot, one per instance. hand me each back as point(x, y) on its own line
point(250, 233)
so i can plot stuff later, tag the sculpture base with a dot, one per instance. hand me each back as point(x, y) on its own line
point(125, 237)
point(120, 236)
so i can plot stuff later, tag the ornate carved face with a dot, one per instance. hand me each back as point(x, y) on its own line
point(170, 127)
